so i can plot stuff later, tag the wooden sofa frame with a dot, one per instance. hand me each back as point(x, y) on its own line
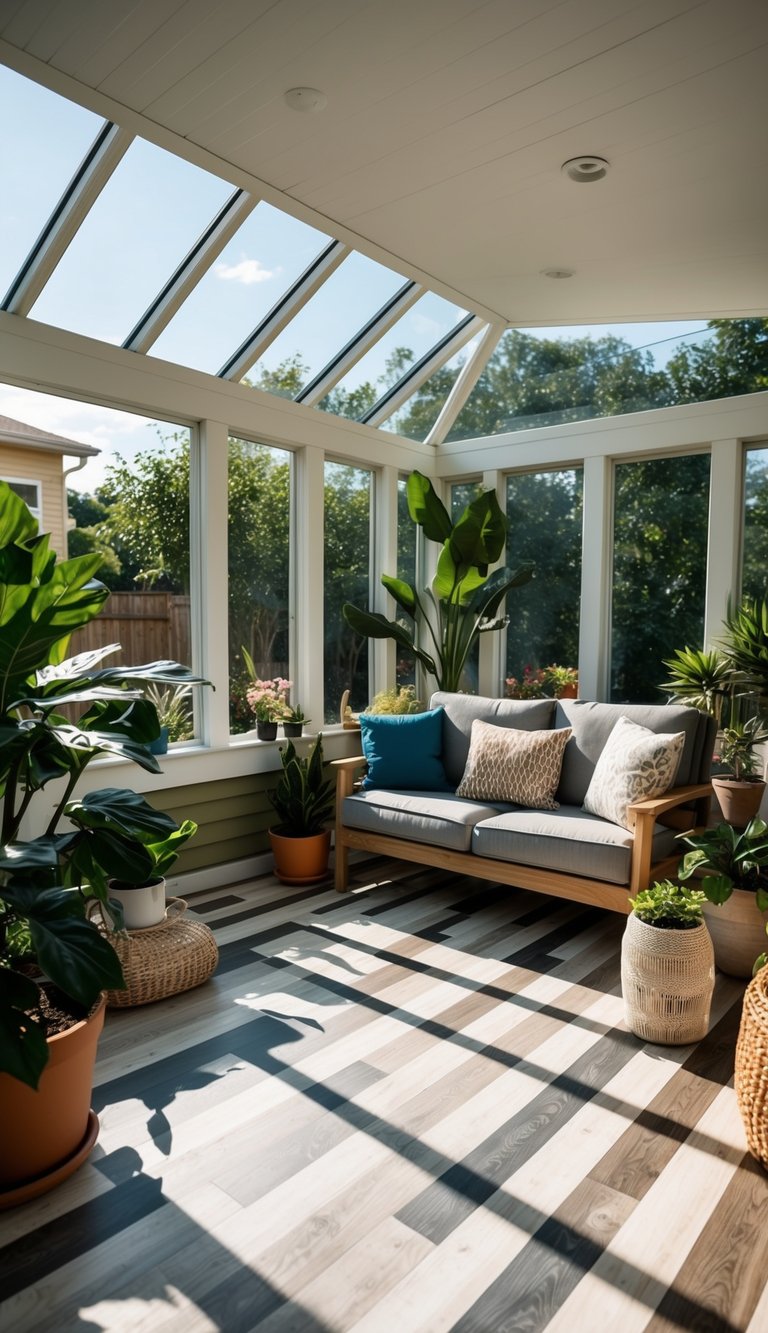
point(667, 809)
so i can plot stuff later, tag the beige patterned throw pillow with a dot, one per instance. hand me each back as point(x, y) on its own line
point(523, 767)
point(636, 764)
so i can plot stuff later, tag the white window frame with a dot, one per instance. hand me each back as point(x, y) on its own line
point(35, 510)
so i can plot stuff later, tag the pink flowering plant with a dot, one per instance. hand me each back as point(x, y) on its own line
point(268, 699)
point(529, 686)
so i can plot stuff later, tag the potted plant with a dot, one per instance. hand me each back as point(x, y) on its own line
point(740, 793)
point(733, 867)
point(141, 896)
point(701, 678)
point(463, 599)
point(401, 699)
point(267, 701)
point(562, 680)
point(304, 801)
point(294, 721)
point(667, 965)
point(174, 714)
point(54, 963)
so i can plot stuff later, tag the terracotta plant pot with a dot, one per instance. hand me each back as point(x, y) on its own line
point(739, 801)
point(568, 692)
point(143, 904)
point(48, 1133)
point(738, 932)
point(301, 860)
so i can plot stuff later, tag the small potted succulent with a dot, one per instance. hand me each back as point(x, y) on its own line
point(667, 965)
point(304, 801)
point(174, 713)
point(294, 721)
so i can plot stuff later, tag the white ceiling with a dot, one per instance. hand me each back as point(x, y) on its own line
point(447, 123)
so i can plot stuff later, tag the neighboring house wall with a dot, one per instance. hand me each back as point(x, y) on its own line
point(46, 469)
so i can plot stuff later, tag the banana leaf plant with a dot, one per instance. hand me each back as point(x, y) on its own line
point(47, 879)
point(464, 598)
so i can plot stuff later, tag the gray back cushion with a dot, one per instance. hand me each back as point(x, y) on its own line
point(593, 723)
point(461, 711)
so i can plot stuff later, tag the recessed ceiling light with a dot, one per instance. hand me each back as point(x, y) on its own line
point(585, 168)
point(308, 100)
point(558, 272)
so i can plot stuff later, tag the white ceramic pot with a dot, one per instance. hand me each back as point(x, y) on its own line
point(143, 904)
point(667, 979)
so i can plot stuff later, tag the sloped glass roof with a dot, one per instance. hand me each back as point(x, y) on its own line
point(146, 218)
point(43, 138)
point(267, 253)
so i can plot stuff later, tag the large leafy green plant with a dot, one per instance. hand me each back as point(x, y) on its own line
point(463, 599)
point(731, 858)
point(46, 880)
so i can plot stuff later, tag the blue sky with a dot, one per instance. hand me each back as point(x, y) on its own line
point(145, 220)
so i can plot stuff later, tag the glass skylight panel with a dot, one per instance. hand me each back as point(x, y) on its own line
point(44, 139)
point(401, 346)
point(265, 256)
point(149, 214)
point(333, 316)
point(547, 377)
point(418, 415)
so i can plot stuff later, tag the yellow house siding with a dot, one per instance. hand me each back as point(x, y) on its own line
point(47, 469)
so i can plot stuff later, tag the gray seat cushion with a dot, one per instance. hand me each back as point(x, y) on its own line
point(566, 839)
point(421, 816)
point(460, 711)
point(593, 723)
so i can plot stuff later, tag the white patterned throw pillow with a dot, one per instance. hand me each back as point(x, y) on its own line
point(635, 765)
point(505, 764)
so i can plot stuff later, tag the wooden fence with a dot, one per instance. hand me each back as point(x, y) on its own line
point(148, 625)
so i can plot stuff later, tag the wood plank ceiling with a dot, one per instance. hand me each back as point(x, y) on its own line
point(446, 125)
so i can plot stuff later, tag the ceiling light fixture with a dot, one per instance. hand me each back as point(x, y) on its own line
point(558, 272)
point(585, 168)
point(308, 100)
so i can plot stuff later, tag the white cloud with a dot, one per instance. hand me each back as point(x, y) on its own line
point(247, 272)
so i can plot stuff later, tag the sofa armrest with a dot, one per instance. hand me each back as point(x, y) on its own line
point(345, 774)
point(667, 809)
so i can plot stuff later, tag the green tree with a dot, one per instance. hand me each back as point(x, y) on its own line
point(733, 361)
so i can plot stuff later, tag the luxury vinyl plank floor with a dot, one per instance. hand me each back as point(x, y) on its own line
point(411, 1109)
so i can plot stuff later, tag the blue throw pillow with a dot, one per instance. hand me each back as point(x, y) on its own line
point(404, 750)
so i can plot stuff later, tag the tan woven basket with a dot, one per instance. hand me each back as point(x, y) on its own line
point(162, 960)
point(751, 1073)
point(667, 979)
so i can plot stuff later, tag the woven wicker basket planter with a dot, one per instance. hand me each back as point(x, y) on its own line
point(163, 960)
point(667, 979)
point(751, 1072)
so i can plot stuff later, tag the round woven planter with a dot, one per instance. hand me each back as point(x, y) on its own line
point(667, 979)
point(163, 960)
point(751, 1072)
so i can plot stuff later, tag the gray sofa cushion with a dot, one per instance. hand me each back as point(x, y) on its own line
point(566, 839)
point(431, 817)
point(593, 723)
point(461, 711)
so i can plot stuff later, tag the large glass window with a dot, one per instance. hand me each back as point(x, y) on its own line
point(545, 521)
point(659, 569)
point(44, 137)
point(754, 572)
point(548, 377)
point(259, 545)
point(149, 214)
point(348, 501)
